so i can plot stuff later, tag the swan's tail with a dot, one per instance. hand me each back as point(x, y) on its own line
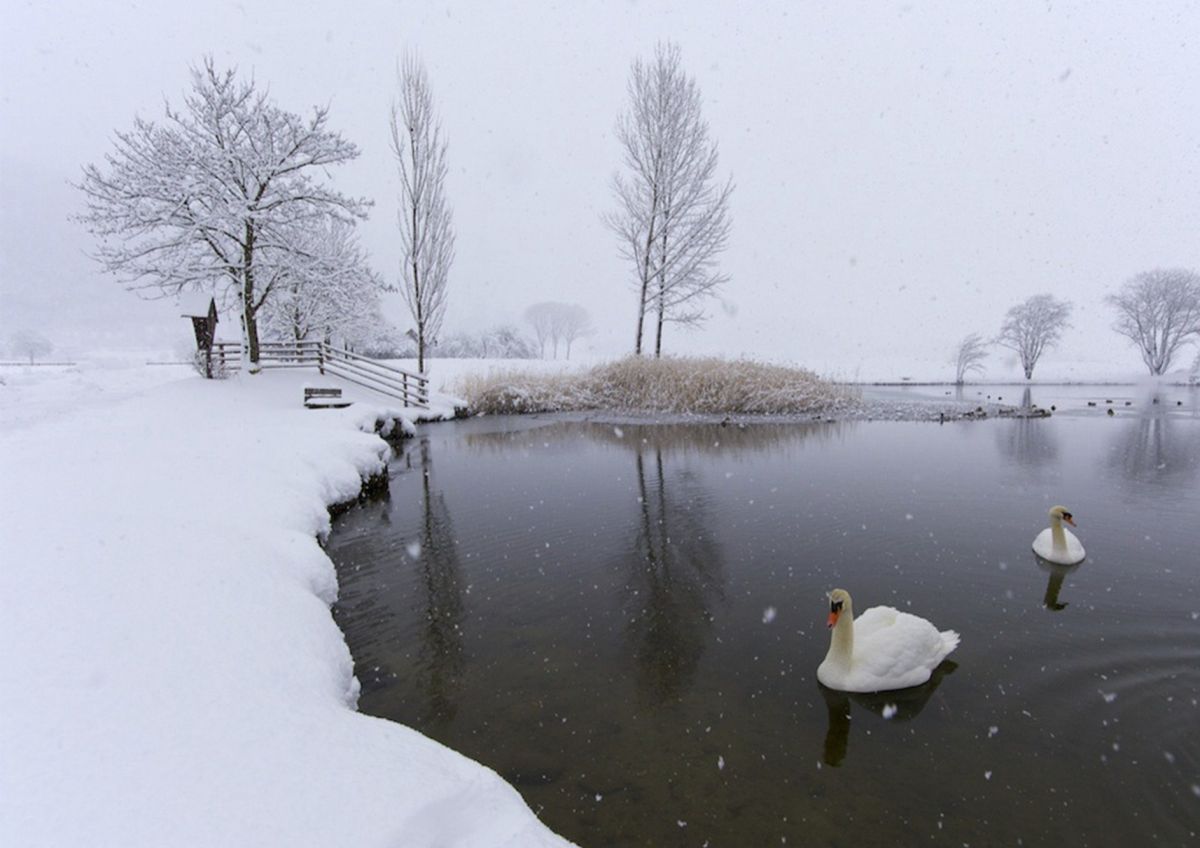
point(949, 640)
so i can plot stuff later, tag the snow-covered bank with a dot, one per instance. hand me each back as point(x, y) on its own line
point(172, 674)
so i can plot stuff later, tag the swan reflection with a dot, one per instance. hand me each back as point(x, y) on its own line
point(897, 705)
point(1057, 573)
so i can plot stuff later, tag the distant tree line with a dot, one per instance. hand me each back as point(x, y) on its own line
point(1158, 311)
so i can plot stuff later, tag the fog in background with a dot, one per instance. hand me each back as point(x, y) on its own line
point(905, 172)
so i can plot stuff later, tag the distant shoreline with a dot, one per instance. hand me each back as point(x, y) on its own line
point(901, 384)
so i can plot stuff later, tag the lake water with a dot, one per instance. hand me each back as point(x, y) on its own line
point(625, 620)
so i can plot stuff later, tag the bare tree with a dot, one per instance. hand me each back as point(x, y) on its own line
point(1031, 327)
point(31, 344)
point(969, 356)
point(672, 216)
point(213, 197)
point(540, 316)
point(426, 229)
point(557, 322)
point(573, 322)
point(1159, 311)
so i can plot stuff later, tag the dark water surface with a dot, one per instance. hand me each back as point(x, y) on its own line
point(625, 621)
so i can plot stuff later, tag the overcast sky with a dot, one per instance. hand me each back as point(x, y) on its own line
point(905, 172)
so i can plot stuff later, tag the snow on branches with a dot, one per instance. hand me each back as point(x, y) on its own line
point(214, 197)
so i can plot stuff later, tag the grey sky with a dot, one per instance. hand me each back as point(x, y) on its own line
point(905, 172)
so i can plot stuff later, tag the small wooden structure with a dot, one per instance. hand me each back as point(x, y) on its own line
point(324, 398)
point(410, 387)
point(204, 324)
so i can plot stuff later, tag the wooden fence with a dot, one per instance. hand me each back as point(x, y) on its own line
point(407, 386)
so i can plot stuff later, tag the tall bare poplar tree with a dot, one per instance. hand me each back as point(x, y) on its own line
point(426, 229)
point(672, 215)
point(212, 198)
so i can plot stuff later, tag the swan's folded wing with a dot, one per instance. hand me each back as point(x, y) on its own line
point(900, 653)
point(876, 618)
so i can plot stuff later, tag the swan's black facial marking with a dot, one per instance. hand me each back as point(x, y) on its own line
point(1067, 516)
point(835, 606)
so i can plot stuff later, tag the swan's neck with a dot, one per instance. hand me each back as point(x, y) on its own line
point(841, 643)
point(1058, 534)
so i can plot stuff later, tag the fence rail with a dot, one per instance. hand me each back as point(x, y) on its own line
point(407, 386)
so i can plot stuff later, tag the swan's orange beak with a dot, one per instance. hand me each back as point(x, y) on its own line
point(833, 617)
point(1070, 520)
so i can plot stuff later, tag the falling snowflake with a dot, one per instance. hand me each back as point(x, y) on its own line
point(889, 710)
point(769, 615)
point(720, 763)
point(618, 432)
point(414, 550)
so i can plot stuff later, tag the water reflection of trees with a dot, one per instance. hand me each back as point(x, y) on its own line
point(441, 659)
point(674, 579)
point(898, 705)
point(1156, 449)
point(710, 438)
point(1027, 441)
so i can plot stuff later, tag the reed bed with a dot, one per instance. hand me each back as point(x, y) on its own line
point(674, 385)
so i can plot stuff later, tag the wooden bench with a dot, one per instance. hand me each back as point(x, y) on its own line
point(323, 398)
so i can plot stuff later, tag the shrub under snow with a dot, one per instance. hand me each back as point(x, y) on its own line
point(705, 386)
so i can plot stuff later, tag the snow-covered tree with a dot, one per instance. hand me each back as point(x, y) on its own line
point(1159, 311)
point(540, 316)
point(505, 342)
point(969, 356)
point(426, 229)
point(557, 322)
point(30, 344)
point(1033, 326)
point(672, 217)
point(501, 342)
point(214, 195)
point(573, 322)
point(327, 290)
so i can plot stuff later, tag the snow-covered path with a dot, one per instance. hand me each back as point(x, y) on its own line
point(171, 674)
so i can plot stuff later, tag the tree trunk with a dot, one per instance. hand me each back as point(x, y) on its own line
point(659, 334)
point(249, 322)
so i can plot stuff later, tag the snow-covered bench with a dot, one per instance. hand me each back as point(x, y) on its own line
point(323, 398)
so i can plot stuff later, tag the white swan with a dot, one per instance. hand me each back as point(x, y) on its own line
point(1056, 543)
point(883, 649)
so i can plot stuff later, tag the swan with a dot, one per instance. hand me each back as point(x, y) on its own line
point(893, 650)
point(1056, 543)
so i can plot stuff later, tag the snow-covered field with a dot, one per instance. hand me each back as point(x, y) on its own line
point(171, 672)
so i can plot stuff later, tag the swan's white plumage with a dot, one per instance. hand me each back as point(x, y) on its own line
point(891, 650)
point(1067, 550)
